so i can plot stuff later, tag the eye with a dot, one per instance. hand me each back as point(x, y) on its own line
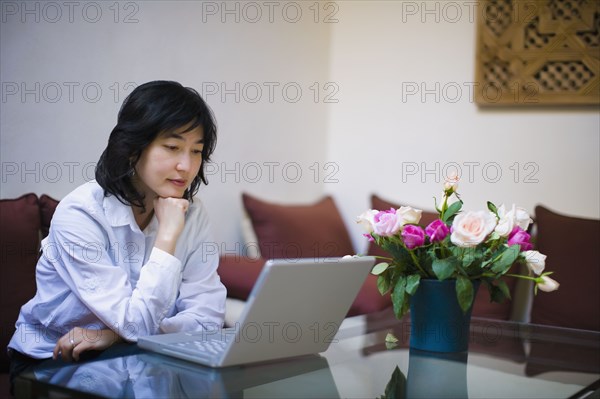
point(171, 147)
point(197, 152)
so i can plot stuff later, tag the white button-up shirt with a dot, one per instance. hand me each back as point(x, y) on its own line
point(99, 270)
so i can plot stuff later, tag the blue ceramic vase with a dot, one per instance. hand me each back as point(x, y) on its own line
point(438, 324)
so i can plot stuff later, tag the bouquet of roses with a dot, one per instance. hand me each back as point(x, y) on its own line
point(465, 246)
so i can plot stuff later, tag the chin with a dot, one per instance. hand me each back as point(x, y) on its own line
point(171, 193)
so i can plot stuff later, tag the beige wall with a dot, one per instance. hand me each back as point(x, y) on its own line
point(350, 135)
point(406, 116)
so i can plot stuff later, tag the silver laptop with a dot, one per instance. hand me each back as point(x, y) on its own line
point(295, 308)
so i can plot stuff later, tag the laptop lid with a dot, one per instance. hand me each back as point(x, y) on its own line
point(295, 308)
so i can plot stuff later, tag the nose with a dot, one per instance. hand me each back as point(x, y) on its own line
point(183, 163)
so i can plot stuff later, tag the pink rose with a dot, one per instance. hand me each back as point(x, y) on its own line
point(470, 229)
point(387, 223)
point(413, 236)
point(437, 230)
point(518, 236)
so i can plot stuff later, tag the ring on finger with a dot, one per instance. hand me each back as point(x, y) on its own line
point(72, 342)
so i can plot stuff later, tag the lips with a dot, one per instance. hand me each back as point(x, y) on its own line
point(178, 182)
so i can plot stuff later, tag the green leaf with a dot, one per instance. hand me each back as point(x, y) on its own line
point(452, 210)
point(470, 255)
point(503, 288)
point(396, 387)
point(383, 284)
point(412, 283)
point(506, 260)
point(444, 268)
point(400, 297)
point(390, 338)
point(380, 268)
point(398, 252)
point(492, 208)
point(464, 293)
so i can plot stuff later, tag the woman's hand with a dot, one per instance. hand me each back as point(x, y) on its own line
point(170, 213)
point(78, 340)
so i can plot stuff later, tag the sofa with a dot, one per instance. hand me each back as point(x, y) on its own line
point(317, 230)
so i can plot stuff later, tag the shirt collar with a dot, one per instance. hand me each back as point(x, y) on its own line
point(117, 213)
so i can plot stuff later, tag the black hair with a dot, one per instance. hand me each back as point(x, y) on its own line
point(150, 109)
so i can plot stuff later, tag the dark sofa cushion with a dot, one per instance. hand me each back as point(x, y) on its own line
point(239, 274)
point(482, 306)
point(298, 231)
point(47, 207)
point(19, 246)
point(572, 247)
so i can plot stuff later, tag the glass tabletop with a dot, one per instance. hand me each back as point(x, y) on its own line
point(505, 360)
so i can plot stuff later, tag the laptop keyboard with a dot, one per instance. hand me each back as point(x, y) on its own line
point(208, 346)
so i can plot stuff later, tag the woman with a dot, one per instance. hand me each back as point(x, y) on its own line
point(124, 257)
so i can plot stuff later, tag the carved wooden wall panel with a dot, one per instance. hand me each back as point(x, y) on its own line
point(538, 52)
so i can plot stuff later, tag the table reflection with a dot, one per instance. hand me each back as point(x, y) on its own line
point(430, 375)
point(145, 375)
point(437, 375)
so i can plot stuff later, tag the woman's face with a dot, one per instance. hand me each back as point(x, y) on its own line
point(170, 163)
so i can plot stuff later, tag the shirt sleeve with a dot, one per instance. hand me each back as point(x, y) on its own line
point(200, 304)
point(84, 263)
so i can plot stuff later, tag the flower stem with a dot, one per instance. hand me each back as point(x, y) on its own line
point(444, 206)
point(416, 261)
point(535, 279)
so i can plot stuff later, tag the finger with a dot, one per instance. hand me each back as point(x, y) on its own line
point(68, 345)
point(78, 349)
point(56, 351)
point(65, 352)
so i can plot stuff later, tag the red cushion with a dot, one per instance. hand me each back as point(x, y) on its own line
point(238, 274)
point(369, 299)
point(47, 207)
point(482, 306)
point(572, 248)
point(298, 231)
point(19, 246)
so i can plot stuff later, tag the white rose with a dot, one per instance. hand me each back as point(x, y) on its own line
point(469, 229)
point(408, 215)
point(506, 221)
point(509, 219)
point(547, 284)
point(367, 220)
point(522, 218)
point(536, 262)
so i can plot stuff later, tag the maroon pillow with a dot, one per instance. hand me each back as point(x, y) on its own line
point(572, 248)
point(238, 274)
point(47, 207)
point(19, 246)
point(369, 300)
point(298, 231)
point(482, 306)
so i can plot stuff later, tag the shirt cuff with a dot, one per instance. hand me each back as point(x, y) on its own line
point(164, 259)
